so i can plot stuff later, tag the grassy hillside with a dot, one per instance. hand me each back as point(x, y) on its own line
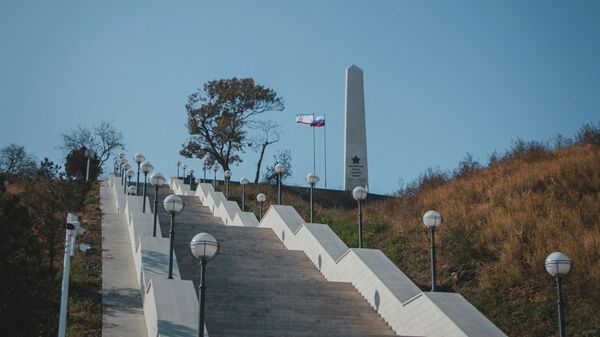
point(501, 222)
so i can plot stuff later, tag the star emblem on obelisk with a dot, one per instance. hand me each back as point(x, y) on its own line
point(355, 160)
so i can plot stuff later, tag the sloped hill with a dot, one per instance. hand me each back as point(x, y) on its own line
point(501, 223)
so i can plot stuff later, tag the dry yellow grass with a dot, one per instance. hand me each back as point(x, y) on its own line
point(501, 223)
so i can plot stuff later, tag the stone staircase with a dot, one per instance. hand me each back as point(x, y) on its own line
point(256, 287)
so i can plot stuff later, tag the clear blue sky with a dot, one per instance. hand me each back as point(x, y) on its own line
point(441, 78)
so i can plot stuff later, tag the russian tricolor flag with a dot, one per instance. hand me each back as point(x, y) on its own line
point(319, 120)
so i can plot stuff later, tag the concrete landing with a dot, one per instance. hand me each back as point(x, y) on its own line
point(122, 312)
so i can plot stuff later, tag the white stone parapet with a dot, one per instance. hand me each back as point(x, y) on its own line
point(170, 306)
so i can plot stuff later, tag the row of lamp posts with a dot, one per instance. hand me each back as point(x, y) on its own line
point(204, 246)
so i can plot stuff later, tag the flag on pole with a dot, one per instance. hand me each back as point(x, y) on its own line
point(312, 120)
point(318, 121)
point(305, 119)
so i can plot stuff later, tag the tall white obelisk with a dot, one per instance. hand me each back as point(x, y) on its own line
point(355, 131)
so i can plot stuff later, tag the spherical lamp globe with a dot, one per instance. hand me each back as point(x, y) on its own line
point(204, 246)
point(147, 167)
point(312, 178)
point(139, 158)
point(558, 264)
point(157, 179)
point(432, 219)
point(173, 204)
point(359, 193)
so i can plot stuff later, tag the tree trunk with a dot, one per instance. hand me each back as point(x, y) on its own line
point(260, 158)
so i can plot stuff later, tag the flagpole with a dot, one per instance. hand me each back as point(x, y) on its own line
point(314, 147)
point(325, 147)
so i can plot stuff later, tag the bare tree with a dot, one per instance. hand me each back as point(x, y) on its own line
point(283, 157)
point(268, 133)
point(103, 139)
point(14, 159)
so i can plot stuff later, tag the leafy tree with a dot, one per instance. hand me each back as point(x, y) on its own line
point(76, 166)
point(103, 139)
point(268, 134)
point(14, 159)
point(282, 157)
point(219, 115)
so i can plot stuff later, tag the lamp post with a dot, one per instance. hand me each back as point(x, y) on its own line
point(192, 181)
point(178, 163)
point(558, 265)
point(173, 204)
point(359, 194)
point(139, 159)
point(227, 176)
point(121, 157)
point(243, 183)
point(123, 169)
point(115, 166)
point(89, 154)
point(279, 169)
point(129, 173)
point(203, 247)
point(146, 168)
point(215, 168)
point(157, 180)
point(312, 179)
point(74, 229)
point(184, 167)
point(432, 220)
point(205, 166)
point(126, 167)
point(261, 198)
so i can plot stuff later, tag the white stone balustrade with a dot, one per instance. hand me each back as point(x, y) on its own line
point(170, 306)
